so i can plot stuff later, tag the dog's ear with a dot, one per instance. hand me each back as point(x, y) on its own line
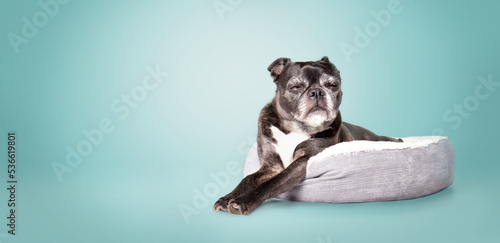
point(277, 67)
point(325, 59)
point(336, 72)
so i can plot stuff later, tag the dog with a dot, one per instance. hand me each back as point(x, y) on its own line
point(299, 122)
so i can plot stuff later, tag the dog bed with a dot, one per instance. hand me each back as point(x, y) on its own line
point(367, 171)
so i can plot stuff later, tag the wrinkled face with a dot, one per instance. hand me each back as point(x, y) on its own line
point(308, 92)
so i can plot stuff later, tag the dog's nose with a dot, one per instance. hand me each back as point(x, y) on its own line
point(316, 93)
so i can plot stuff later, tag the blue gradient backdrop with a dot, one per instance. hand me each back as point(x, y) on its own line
point(154, 177)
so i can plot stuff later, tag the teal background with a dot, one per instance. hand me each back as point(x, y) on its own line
point(130, 188)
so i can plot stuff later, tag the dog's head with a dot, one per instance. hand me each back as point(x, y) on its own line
point(307, 92)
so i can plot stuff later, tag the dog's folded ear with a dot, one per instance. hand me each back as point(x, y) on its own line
point(325, 59)
point(277, 67)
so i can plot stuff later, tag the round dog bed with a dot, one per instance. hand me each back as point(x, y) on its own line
point(367, 171)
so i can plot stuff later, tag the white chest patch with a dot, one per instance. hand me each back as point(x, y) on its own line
point(286, 143)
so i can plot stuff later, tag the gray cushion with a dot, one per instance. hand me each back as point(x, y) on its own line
point(365, 171)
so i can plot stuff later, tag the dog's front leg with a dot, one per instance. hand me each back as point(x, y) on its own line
point(282, 182)
point(246, 185)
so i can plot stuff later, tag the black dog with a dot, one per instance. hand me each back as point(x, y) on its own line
point(300, 121)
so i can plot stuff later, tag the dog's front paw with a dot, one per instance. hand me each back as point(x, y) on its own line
point(237, 206)
point(221, 204)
